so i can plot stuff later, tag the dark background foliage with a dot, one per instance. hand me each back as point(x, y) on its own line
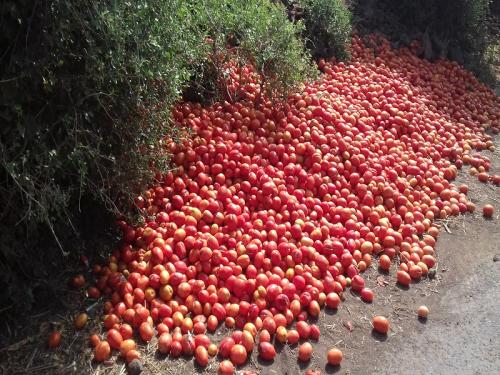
point(462, 30)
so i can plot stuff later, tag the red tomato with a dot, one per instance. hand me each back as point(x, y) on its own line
point(94, 340)
point(131, 355)
point(305, 352)
point(225, 347)
point(126, 346)
point(201, 356)
point(488, 210)
point(114, 338)
point(334, 357)
point(403, 278)
point(380, 324)
point(54, 339)
point(384, 262)
point(304, 330)
point(146, 331)
point(267, 351)
point(102, 351)
point(226, 368)
point(367, 295)
point(332, 300)
point(164, 343)
point(238, 354)
point(314, 332)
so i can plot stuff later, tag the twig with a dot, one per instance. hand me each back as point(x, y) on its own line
point(446, 227)
point(15, 345)
point(9, 79)
point(31, 358)
point(47, 220)
point(38, 369)
point(5, 308)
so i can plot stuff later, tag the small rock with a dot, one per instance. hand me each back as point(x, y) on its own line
point(135, 367)
point(496, 257)
point(432, 273)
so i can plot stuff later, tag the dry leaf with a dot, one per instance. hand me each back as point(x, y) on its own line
point(381, 281)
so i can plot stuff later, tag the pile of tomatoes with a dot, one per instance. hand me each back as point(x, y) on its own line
point(273, 210)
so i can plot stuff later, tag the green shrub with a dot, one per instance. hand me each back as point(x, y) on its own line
point(86, 90)
point(84, 87)
point(256, 32)
point(328, 27)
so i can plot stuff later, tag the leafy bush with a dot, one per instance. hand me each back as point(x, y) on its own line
point(328, 27)
point(252, 32)
point(86, 90)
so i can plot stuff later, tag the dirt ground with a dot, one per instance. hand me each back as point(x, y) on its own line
point(461, 335)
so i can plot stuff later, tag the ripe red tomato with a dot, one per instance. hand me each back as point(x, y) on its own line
point(304, 330)
point(114, 338)
point(201, 356)
point(146, 331)
point(131, 355)
point(267, 351)
point(488, 210)
point(238, 354)
point(332, 300)
point(225, 347)
point(293, 337)
point(78, 281)
point(54, 339)
point(102, 351)
point(334, 357)
point(357, 283)
point(403, 278)
point(314, 332)
point(94, 340)
point(126, 346)
point(367, 295)
point(305, 352)
point(380, 324)
point(226, 368)
point(164, 343)
point(384, 262)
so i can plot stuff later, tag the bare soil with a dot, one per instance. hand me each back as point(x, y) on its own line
point(461, 335)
